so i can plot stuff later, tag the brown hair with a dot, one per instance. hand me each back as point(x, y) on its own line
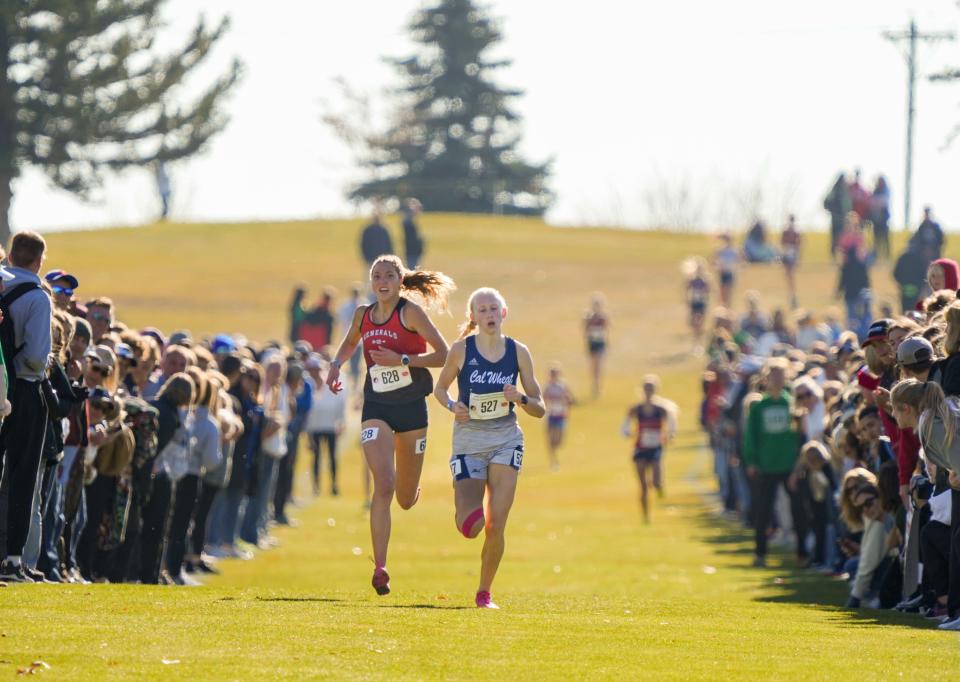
point(62, 329)
point(26, 248)
point(433, 287)
point(178, 390)
point(904, 324)
point(102, 302)
point(937, 301)
point(135, 341)
point(952, 315)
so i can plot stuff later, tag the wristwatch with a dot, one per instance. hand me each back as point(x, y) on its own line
point(523, 399)
point(336, 363)
point(405, 360)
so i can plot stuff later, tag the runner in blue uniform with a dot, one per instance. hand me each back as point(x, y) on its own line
point(487, 440)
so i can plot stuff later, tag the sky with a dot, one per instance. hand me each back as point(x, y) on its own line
point(654, 113)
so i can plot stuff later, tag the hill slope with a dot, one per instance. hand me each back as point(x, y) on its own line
point(586, 590)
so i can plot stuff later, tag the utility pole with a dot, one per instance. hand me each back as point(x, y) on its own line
point(912, 35)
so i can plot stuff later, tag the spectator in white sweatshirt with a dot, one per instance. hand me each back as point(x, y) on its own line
point(325, 421)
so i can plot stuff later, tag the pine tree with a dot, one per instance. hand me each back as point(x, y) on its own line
point(81, 91)
point(453, 144)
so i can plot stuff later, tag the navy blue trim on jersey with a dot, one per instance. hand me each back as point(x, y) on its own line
point(479, 375)
point(517, 461)
point(464, 472)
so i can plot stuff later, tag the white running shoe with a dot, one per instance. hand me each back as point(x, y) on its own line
point(950, 624)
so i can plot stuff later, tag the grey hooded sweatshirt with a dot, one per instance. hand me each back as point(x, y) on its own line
point(31, 315)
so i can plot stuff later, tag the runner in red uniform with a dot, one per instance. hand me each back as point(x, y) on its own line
point(395, 332)
point(655, 426)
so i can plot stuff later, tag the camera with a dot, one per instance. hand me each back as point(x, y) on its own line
point(921, 486)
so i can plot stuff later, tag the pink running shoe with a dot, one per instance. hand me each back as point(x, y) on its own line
point(381, 581)
point(485, 601)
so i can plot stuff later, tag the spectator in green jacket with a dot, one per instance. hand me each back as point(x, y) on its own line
point(771, 443)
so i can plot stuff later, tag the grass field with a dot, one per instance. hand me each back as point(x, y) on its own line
point(585, 589)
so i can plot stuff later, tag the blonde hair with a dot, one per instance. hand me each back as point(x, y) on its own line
point(808, 383)
point(852, 481)
point(923, 396)
point(813, 451)
point(693, 266)
point(775, 363)
point(874, 364)
point(433, 288)
point(470, 325)
point(200, 383)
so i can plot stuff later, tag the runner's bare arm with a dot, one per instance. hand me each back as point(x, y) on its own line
point(352, 338)
point(534, 405)
point(347, 347)
point(448, 375)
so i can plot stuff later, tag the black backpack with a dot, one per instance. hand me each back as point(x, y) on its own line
point(8, 340)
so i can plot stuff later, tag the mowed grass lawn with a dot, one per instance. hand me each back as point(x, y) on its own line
point(586, 590)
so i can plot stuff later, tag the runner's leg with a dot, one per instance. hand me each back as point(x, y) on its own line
point(468, 500)
point(410, 449)
point(501, 489)
point(378, 450)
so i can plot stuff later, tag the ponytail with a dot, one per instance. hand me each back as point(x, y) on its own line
point(935, 401)
point(434, 288)
point(926, 397)
point(468, 327)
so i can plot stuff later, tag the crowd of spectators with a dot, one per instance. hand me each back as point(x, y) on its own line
point(136, 456)
point(844, 446)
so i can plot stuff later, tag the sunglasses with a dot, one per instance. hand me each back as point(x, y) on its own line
point(803, 396)
point(100, 317)
point(66, 291)
point(867, 503)
point(100, 369)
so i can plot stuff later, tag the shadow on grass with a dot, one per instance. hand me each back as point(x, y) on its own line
point(787, 583)
point(299, 599)
point(423, 606)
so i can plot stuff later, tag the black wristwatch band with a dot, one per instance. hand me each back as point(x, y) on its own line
point(523, 399)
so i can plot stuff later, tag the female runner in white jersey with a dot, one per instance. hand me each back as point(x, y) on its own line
point(487, 441)
point(395, 332)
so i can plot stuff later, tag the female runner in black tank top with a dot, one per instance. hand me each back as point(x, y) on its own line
point(394, 427)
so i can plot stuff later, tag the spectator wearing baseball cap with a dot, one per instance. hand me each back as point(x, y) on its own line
point(180, 338)
point(222, 344)
point(916, 357)
point(63, 284)
point(877, 331)
point(156, 335)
